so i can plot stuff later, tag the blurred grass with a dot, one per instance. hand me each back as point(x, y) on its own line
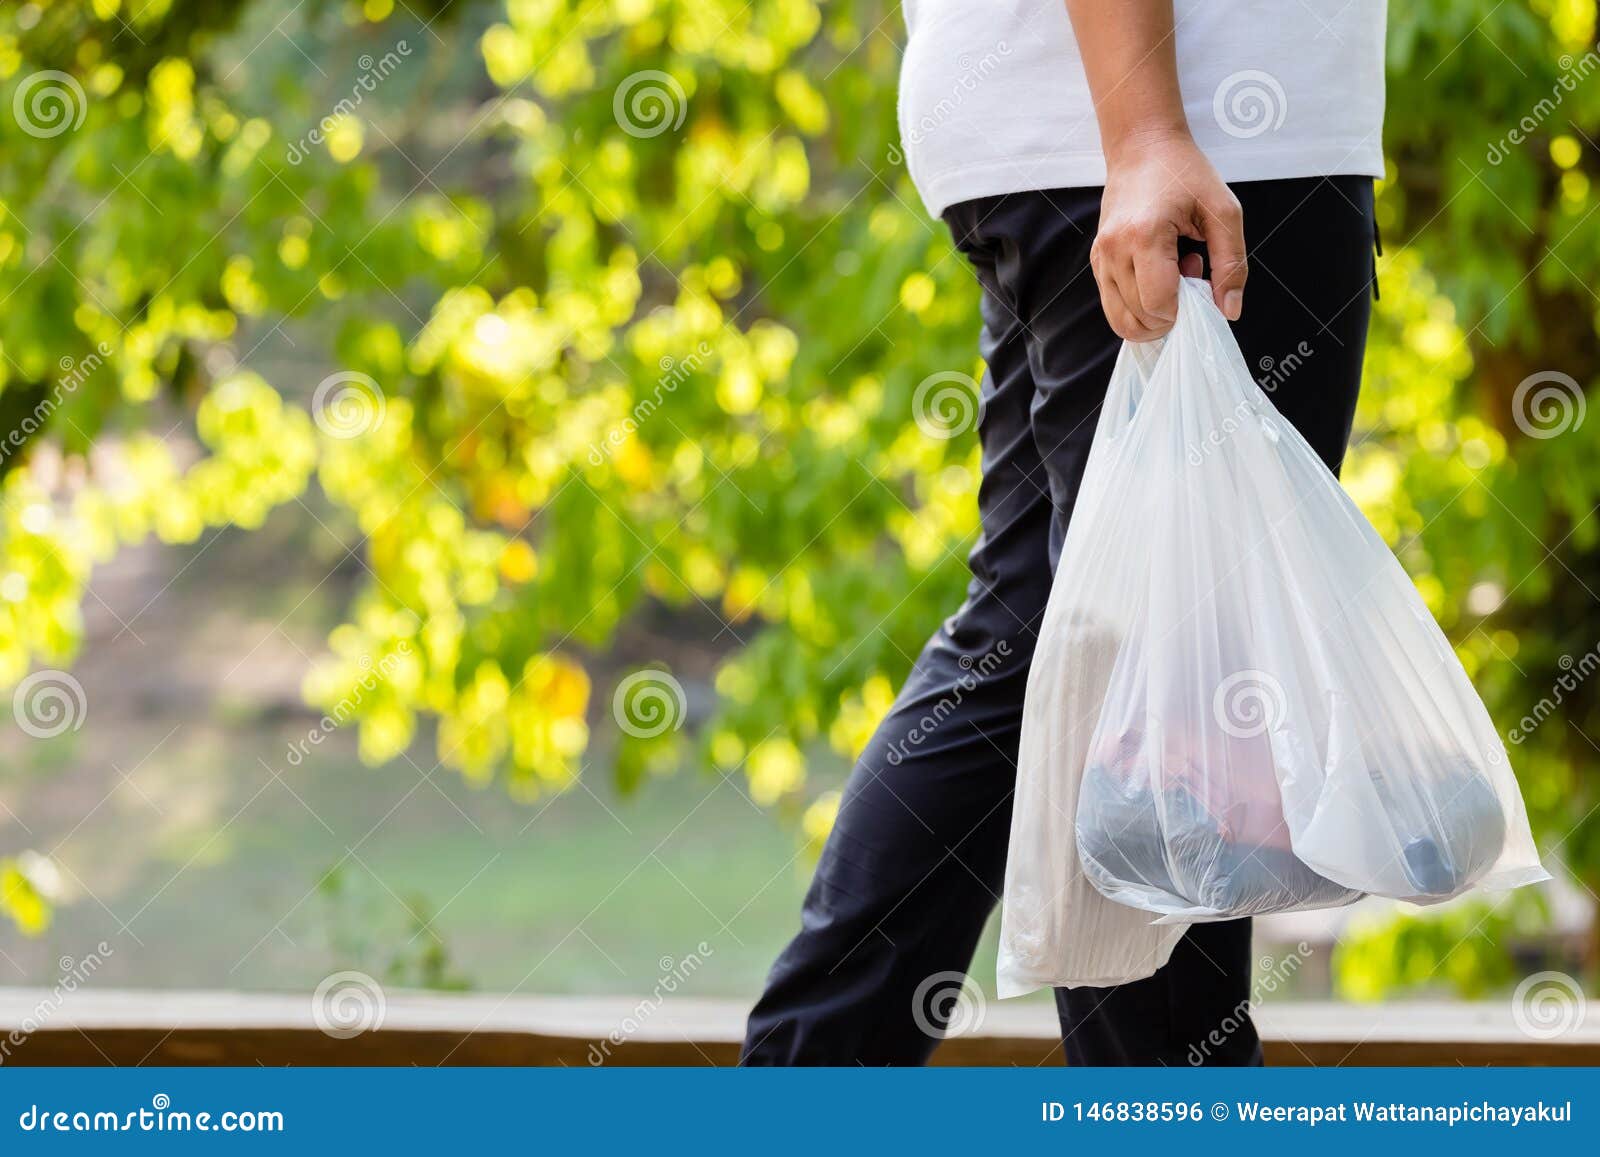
point(584, 893)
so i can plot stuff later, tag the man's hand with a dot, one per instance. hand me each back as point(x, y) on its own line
point(1157, 190)
point(1159, 185)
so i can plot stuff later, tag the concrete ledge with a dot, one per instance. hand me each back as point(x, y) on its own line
point(225, 1028)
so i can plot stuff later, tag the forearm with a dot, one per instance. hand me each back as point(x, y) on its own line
point(1130, 57)
point(1159, 185)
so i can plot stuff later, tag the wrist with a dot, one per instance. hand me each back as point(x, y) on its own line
point(1132, 144)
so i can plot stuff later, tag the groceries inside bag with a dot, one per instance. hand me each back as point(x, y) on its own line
point(1238, 704)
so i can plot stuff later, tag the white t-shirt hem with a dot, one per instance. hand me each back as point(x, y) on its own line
point(1077, 169)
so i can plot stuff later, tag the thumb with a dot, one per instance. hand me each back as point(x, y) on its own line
point(1223, 225)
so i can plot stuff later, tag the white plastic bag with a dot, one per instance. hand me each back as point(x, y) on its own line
point(1238, 703)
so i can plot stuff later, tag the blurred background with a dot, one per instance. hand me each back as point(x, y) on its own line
point(466, 497)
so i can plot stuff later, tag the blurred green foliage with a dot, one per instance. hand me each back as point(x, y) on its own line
point(642, 324)
point(391, 937)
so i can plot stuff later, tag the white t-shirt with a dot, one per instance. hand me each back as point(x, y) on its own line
point(993, 96)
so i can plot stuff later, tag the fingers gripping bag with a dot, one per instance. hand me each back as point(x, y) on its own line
point(1239, 703)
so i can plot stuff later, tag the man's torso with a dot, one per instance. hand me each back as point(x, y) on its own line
point(993, 96)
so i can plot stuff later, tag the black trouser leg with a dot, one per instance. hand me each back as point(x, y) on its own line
point(915, 861)
point(1194, 1011)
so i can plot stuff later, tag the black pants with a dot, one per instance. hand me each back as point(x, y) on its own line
point(916, 859)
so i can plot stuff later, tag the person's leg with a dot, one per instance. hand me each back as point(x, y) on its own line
point(915, 861)
point(1303, 332)
point(1194, 1011)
